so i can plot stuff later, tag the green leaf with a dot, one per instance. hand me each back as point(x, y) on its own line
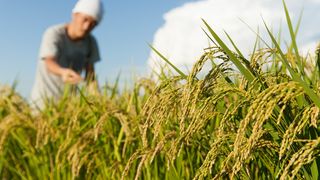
point(313, 96)
point(314, 170)
point(167, 61)
point(245, 72)
point(293, 38)
point(115, 87)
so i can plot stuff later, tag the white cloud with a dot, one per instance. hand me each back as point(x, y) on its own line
point(182, 40)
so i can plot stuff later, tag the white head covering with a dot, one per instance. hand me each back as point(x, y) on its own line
point(93, 8)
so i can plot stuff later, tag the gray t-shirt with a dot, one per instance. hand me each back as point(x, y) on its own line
point(68, 53)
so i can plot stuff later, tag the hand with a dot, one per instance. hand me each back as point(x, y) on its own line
point(71, 77)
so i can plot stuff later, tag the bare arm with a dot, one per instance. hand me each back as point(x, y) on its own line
point(68, 75)
point(53, 67)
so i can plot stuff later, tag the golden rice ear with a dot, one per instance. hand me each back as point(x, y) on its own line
point(93, 88)
point(218, 123)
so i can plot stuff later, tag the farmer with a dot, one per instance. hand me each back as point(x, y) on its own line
point(67, 50)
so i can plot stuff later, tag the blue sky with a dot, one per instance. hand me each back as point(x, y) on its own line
point(127, 28)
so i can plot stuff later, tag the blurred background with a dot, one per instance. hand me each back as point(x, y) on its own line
point(173, 27)
point(123, 36)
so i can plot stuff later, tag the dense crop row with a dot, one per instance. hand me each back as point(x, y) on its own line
point(244, 118)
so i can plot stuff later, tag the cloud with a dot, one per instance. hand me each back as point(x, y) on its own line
point(182, 40)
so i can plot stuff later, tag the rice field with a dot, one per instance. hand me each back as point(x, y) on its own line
point(259, 120)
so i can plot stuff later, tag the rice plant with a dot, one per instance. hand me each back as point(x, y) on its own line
point(256, 121)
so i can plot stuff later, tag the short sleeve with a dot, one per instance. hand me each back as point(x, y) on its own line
point(94, 55)
point(49, 45)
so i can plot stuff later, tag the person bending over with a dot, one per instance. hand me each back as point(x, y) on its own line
point(66, 51)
